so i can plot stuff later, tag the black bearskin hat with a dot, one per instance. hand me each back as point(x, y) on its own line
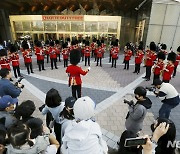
point(38, 44)
point(128, 45)
point(13, 49)
point(163, 46)
point(102, 41)
point(153, 46)
point(52, 43)
point(3, 52)
point(115, 43)
point(73, 42)
point(57, 42)
point(64, 45)
point(161, 55)
point(47, 42)
point(140, 47)
point(68, 39)
point(87, 43)
point(94, 39)
point(171, 57)
point(75, 56)
point(178, 49)
point(25, 46)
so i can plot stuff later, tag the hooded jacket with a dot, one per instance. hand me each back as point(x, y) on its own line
point(136, 115)
point(84, 137)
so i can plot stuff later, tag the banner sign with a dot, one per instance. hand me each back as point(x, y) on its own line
point(62, 17)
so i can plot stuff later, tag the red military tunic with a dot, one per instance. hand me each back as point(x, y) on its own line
point(158, 67)
point(99, 52)
point(87, 51)
point(114, 52)
point(74, 74)
point(65, 53)
point(72, 47)
point(139, 56)
point(4, 62)
point(27, 56)
point(150, 57)
point(15, 60)
point(127, 55)
point(177, 60)
point(93, 46)
point(53, 52)
point(168, 71)
point(39, 53)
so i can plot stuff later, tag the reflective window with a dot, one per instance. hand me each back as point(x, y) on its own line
point(91, 27)
point(103, 26)
point(113, 27)
point(18, 26)
point(50, 26)
point(37, 26)
point(77, 26)
point(26, 26)
point(63, 26)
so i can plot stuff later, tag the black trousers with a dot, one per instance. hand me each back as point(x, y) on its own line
point(29, 67)
point(148, 72)
point(65, 62)
point(47, 58)
point(87, 59)
point(92, 54)
point(99, 59)
point(59, 57)
point(76, 91)
point(156, 77)
point(16, 69)
point(126, 64)
point(137, 68)
point(95, 56)
point(166, 81)
point(110, 57)
point(53, 63)
point(174, 73)
point(114, 62)
point(82, 55)
point(40, 64)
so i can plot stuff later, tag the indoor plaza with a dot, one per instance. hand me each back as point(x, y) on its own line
point(90, 76)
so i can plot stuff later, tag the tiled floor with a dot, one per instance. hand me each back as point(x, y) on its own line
point(107, 86)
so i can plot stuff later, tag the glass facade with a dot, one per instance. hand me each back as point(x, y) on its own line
point(63, 26)
point(37, 26)
point(50, 26)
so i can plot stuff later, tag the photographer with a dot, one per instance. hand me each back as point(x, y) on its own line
point(137, 111)
point(168, 96)
point(6, 87)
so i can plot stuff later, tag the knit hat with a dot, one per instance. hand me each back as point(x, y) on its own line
point(84, 108)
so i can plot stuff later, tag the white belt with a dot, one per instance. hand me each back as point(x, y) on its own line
point(4, 64)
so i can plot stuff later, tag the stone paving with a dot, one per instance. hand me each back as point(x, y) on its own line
point(108, 87)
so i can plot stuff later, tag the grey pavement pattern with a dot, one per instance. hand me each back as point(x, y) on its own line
point(111, 118)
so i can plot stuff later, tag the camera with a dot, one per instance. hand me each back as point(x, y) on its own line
point(152, 89)
point(19, 81)
point(130, 103)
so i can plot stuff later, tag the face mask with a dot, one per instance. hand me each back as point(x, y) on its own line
point(136, 97)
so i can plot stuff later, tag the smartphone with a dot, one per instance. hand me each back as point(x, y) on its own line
point(135, 142)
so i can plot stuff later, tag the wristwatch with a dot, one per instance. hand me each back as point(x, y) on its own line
point(154, 142)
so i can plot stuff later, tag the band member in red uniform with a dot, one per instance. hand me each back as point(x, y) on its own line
point(82, 49)
point(87, 53)
point(168, 70)
point(75, 72)
point(99, 54)
point(46, 48)
point(127, 56)
point(177, 61)
point(115, 51)
point(27, 54)
point(53, 55)
point(150, 58)
point(39, 52)
point(4, 60)
point(93, 47)
point(15, 61)
point(138, 58)
point(58, 47)
point(65, 53)
point(110, 51)
point(163, 49)
point(103, 47)
point(159, 66)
